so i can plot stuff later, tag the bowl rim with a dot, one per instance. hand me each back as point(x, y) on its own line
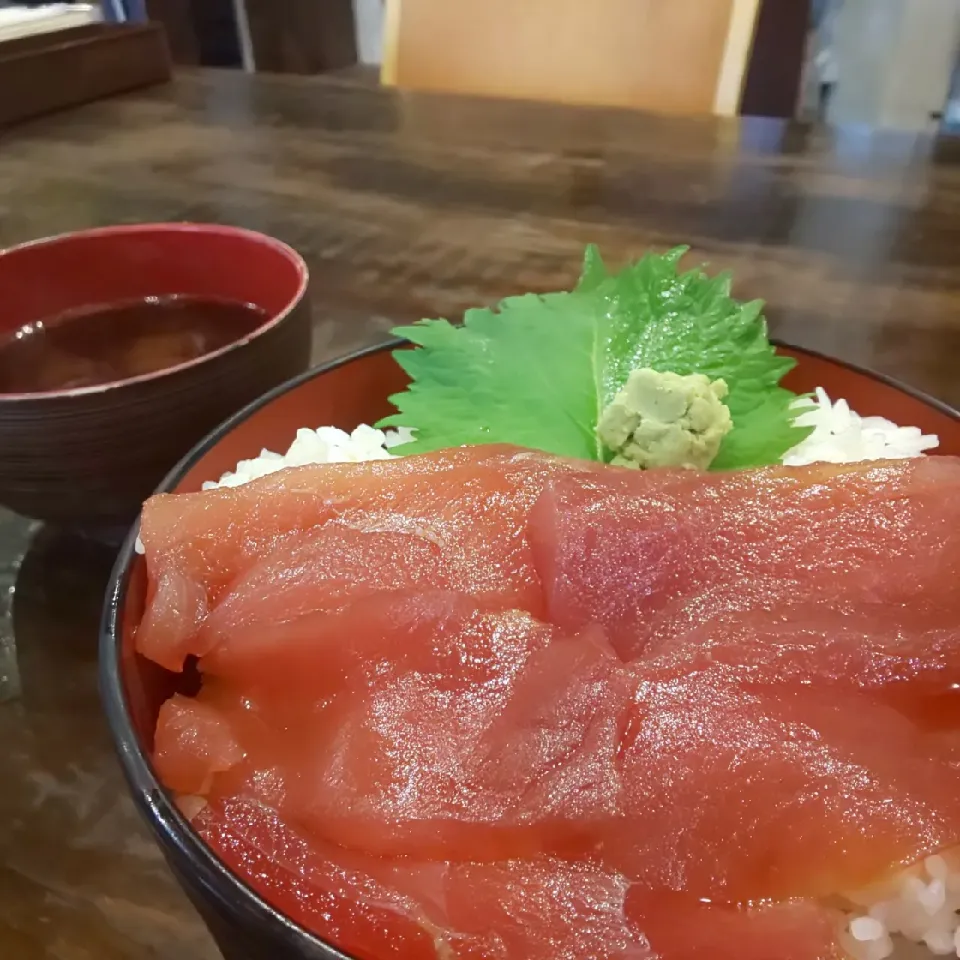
point(227, 889)
point(263, 240)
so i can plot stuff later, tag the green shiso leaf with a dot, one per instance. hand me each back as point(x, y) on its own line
point(536, 371)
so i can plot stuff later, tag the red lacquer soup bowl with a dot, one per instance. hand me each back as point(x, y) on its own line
point(87, 456)
point(344, 393)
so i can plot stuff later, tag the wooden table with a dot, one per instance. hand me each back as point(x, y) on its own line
point(407, 206)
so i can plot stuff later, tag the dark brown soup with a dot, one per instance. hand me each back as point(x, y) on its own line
point(103, 344)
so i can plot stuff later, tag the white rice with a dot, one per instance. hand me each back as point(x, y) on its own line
point(839, 436)
point(920, 904)
point(914, 914)
point(842, 436)
point(323, 445)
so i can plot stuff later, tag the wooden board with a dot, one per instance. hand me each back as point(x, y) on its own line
point(51, 71)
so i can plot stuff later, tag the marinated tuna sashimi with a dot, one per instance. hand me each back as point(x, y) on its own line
point(487, 737)
point(544, 909)
point(325, 889)
point(498, 685)
point(317, 574)
point(466, 508)
point(392, 773)
point(651, 555)
point(902, 655)
point(387, 733)
point(729, 790)
point(680, 927)
point(427, 628)
point(194, 741)
point(554, 752)
point(328, 569)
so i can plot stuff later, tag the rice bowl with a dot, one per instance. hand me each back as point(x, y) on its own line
point(921, 904)
point(381, 450)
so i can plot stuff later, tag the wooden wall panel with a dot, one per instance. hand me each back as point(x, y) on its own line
point(664, 55)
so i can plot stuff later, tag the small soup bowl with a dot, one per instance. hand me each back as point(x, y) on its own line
point(88, 456)
point(344, 393)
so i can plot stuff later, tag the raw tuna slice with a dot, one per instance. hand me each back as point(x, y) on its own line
point(224, 743)
point(370, 724)
point(376, 909)
point(682, 928)
point(466, 734)
point(904, 655)
point(652, 555)
point(696, 782)
point(544, 910)
point(176, 607)
point(551, 909)
point(325, 571)
point(739, 796)
point(391, 773)
point(519, 910)
point(492, 739)
point(553, 753)
point(318, 573)
point(194, 742)
point(417, 768)
point(375, 642)
point(324, 889)
point(470, 504)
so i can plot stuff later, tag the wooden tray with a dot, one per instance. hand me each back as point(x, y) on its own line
point(64, 68)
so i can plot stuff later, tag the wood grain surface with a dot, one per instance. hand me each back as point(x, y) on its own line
point(406, 206)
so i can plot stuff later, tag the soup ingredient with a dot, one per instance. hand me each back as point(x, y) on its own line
point(842, 436)
point(538, 371)
point(105, 344)
point(664, 420)
point(478, 720)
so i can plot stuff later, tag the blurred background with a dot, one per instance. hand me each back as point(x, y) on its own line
point(880, 63)
point(885, 63)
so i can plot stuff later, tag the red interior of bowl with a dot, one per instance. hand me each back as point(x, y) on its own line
point(96, 267)
point(357, 391)
point(348, 395)
point(872, 396)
